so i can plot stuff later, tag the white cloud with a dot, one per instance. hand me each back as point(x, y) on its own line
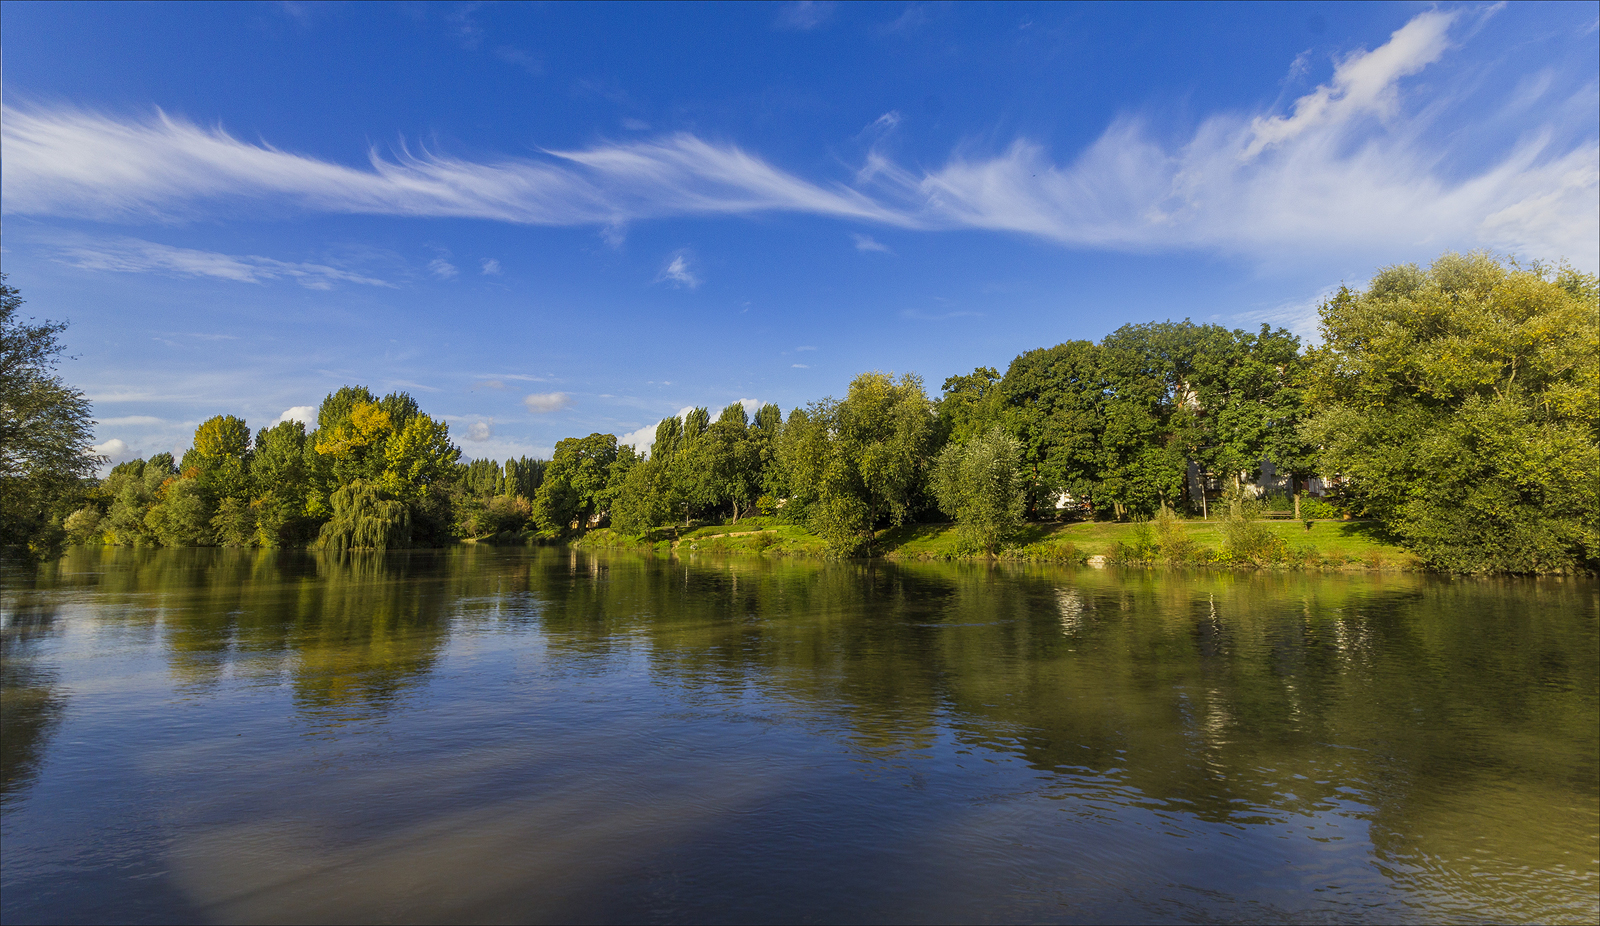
point(131, 255)
point(305, 414)
point(803, 15)
point(865, 243)
point(1353, 167)
point(491, 267)
point(71, 162)
point(800, 366)
point(544, 402)
point(442, 268)
point(1346, 173)
point(679, 273)
point(639, 440)
point(114, 450)
point(804, 347)
point(131, 419)
point(751, 406)
point(480, 430)
point(1365, 83)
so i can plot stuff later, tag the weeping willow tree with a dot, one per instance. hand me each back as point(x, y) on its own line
point(364, 520)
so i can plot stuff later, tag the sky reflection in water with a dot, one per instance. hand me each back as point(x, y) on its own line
point(555, 736)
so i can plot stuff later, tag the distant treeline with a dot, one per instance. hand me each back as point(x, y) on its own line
point(1458, 404)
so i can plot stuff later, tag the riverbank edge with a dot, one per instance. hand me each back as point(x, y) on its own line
point(1347, 546)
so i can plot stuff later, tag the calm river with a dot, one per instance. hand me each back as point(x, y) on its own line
point(543, 735)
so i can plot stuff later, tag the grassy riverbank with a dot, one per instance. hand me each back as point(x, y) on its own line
point(1325, 544)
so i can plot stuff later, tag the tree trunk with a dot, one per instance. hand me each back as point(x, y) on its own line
point(1205, 512)
point(1296, 484)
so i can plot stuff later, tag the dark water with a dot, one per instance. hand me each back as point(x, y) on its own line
point(548, 736)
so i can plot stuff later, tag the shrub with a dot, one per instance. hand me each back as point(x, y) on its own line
point(1313, 508)
point(1171, 539)
point(1140, 547)
point(1244, 537)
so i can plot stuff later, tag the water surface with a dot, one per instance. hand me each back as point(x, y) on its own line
point(543, 735)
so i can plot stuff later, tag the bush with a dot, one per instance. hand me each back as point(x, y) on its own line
point(1245, 539)
point(1140, 547)
point(1171, 539)
point(1313, 508)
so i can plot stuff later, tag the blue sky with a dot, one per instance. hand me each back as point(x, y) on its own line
point(549, 219)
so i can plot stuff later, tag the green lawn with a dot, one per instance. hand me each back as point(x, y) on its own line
point(1324, 544)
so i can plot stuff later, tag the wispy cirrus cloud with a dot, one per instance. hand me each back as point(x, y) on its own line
point(803, 15)
point(1350, 167)
point(74, 163)
point(131, 255)
point(679, 272)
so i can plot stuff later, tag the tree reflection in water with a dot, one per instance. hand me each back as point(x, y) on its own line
point(1444, 731)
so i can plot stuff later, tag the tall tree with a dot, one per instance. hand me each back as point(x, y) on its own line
point(45, 433)
point(1055, 401)
point(1462, 405)
point(577, 483)
point(278, 471)
point(970, 405)
point(860, 462)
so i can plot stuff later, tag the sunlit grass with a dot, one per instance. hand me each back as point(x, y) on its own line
point(1322, 544)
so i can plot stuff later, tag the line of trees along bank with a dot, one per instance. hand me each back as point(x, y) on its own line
point(1458, 404)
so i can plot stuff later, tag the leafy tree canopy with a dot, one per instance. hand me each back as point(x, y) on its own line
point(1461, 404)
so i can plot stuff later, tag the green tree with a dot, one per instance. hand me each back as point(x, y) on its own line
point(733, 459)
point(766, 433)
point(576, 484)
point(364, 519)
point(219, 462)
point(982, 486)
point(45, 434)
point(181, 516)
point(280, 475)
point(1054, 401)
point(860, 462)
point(971, 404)
point(1461, 404)
point(643, 500)
point(133, 488)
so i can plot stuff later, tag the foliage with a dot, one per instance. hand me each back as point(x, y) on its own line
point(1246, 539)
point(1458, 405)
point(363, 519)
point(1172, 541)
point(970, 405)
point(180, 516)
point(45, 433)
point(1461, 405)
point(860, 461)
point(281, 473)
point(576, 488)
point(980, 484)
